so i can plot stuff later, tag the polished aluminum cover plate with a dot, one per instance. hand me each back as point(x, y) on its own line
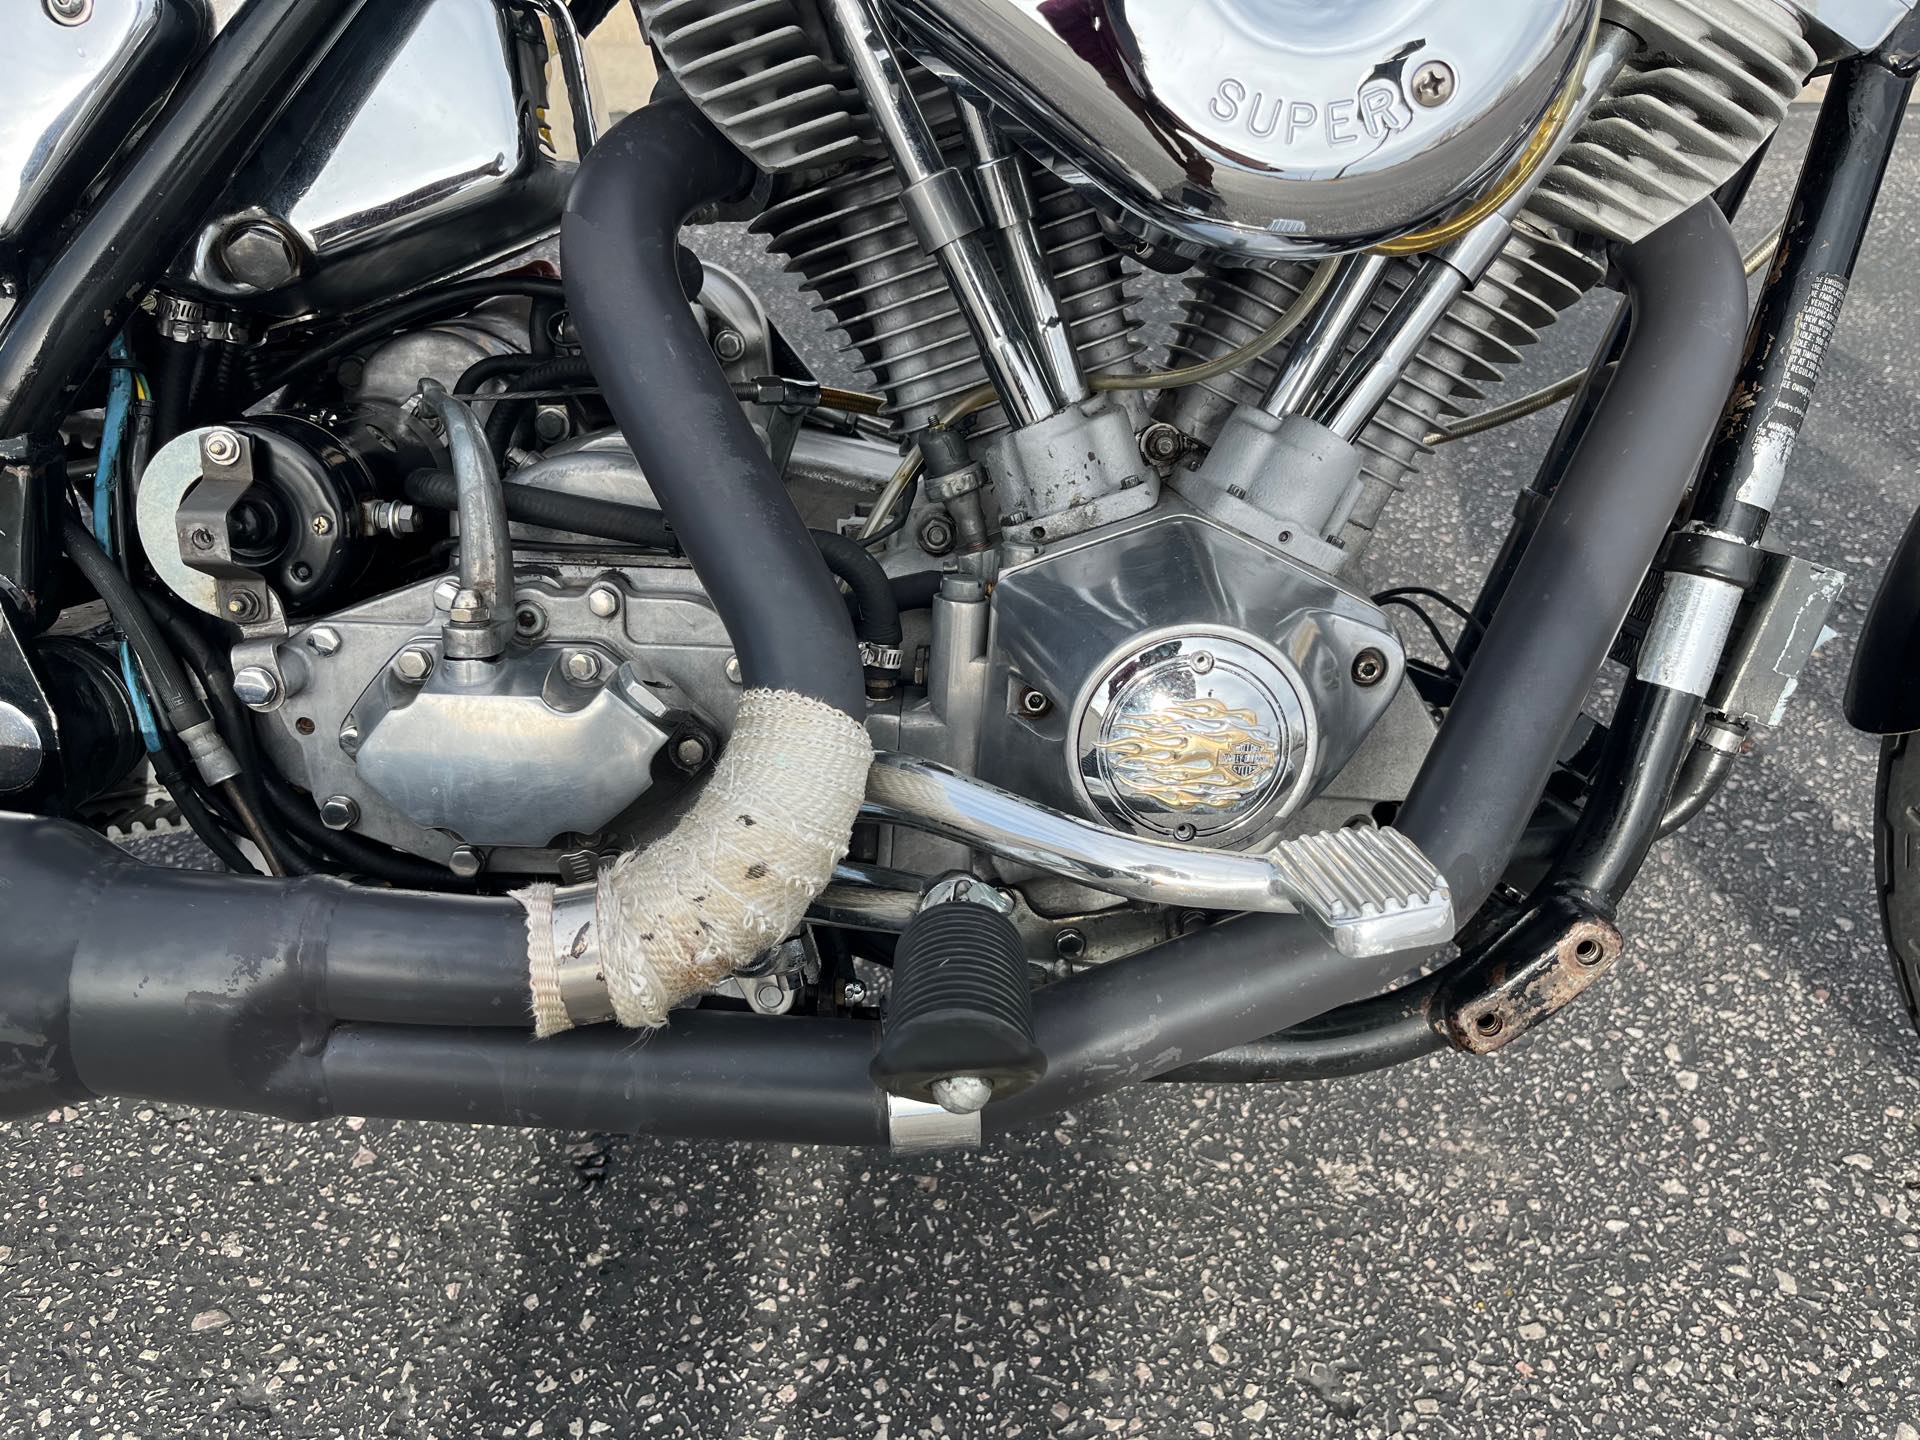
point(1268, 127)
point(413, 153)
point(1193, 737)
point(1175, 679)
point(77, 85)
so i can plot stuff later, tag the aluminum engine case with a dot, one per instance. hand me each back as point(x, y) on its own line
point(1064, 626)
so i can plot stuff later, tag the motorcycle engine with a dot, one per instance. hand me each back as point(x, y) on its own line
point(1102, 631)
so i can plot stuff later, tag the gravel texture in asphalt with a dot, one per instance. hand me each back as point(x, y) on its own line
point(1685, 1209)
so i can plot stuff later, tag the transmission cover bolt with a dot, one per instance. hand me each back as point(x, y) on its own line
point(256, 687)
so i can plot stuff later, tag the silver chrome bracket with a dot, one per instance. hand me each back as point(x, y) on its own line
point(1371, 892)
point(916, 1125)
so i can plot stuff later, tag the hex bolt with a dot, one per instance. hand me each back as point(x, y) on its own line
point(413, 665)
point(259, 255)
point(446, 593)
point(1034, 704)
point(70, 12)
point(1070, 944)
point(349, 739)
point(1369, 668)
point(962, 1094)
point(691, 753)
point(339, 812)
point(604, 600)
point(324, 640)
point(552, 423)
point(582, 667)
point(729, 345)
point(936, 536)
point(733, 669)
point(1433, 84)
point(256, 687)
point(467, 862)
point(220, 447)
point(1162, 444)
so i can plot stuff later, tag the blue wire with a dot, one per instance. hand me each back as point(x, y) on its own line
point(106, 485)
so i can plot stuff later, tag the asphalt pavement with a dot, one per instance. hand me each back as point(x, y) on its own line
point(1685, 1209)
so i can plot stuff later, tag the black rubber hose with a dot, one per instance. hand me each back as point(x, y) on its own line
point(179, 707)
point(513, 407)
point(150, 209)
point(492, 368)
point(174, 777)
point(233, 721)
point(376, 862)
point(172, 390)
point(878, 611)
point(1701, 778)
point(434, 304)
point(733, 517)
point(576, 514)
point(878, 620)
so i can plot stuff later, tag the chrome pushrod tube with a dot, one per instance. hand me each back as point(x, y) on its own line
point(944, 213)
point(1370, 377)
point(1311, 361)
point(1009, 197)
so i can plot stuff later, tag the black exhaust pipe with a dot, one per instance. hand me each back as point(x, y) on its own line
point(309, 997)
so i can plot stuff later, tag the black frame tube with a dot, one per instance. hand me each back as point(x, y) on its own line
point(149, 210)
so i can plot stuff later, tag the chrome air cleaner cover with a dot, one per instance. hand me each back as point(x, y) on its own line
point(1267, 127)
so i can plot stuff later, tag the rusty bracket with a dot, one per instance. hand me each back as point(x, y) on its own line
point(1544, 962)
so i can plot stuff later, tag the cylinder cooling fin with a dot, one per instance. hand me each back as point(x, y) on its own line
point(1711, 80)
point(1707, 83)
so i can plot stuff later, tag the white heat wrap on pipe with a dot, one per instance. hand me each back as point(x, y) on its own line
point(733, 878)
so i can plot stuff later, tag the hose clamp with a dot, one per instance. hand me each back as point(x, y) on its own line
point(881, 657)
point(581, 981)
